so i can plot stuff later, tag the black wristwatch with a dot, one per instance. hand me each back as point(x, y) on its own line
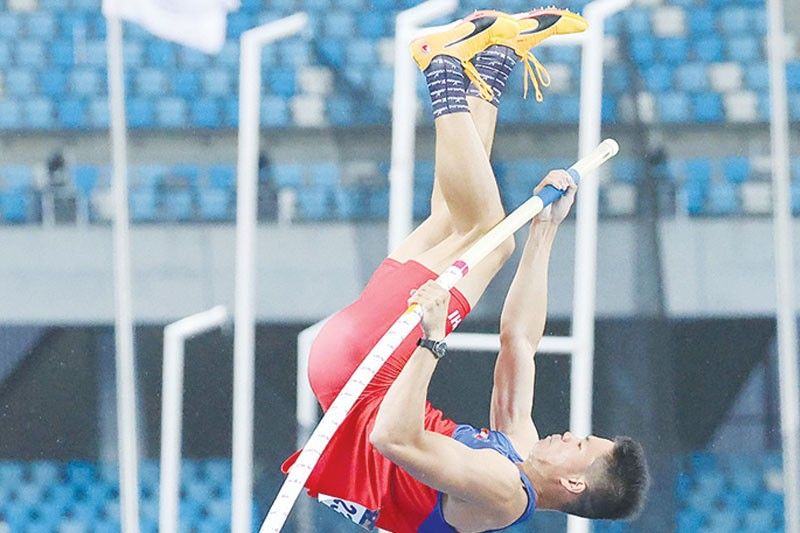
point(437, 348)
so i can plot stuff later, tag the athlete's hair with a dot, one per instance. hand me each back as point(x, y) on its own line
point(617, 485)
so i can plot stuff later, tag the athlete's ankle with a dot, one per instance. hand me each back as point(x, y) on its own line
point(447, 86)
point(494, 65)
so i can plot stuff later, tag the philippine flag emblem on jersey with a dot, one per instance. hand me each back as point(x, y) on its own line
point(482, 435)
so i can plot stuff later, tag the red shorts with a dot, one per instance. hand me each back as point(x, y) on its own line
point(350, 468)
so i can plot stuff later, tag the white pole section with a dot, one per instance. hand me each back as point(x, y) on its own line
point(123, 315)
point(404, 116)
point(175, 336)
point(784, 278)
point(252, 42)
point(373, 361)
point(583, 310)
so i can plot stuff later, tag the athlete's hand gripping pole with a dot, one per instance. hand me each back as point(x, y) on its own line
point(300, 471)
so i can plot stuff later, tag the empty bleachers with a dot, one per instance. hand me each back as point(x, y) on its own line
point(329, 191)
point(700, 62)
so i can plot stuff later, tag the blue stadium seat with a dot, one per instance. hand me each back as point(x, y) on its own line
point(222, 177)
point(793, 75)
point(143, 205)
point(643, 50)
point(160, 54)
point(339, 25)
point(658, 78)
point(16, 178)
point(228, 57)
point(230, 112)
point(371, 24)
point(323, 174)
point(62, 53)
point(30, 54)
point(691, 77)
point(674, 50)
point(724, 521)
point(150, 82)
point(140, 112)
point(52, 83)
point(689, 521)
point(316, 203)
point(708, 49)
point(133, 54)
point(72, 22)
point(39, 113)
point(723, 199)
point(84, 82)
point(239, 22)
point(195, 59)
point(673, 107)
point(707, 107)
point(206, 112)
point(294, 53)
point(186, 84)
point(360, 52)
point(744, 49)
point(178, 205)
point(331, 52)
point(19, 82)
point(740, 20)
point(45, 473)
point(94, 53)
point(698, 170)
point(80, 473)
point(616, 79)
point(171, 112)
point(85, 178)
point(511, 111)
point(274, 111)
point(736, 169)
point(756, 76)
point(637, 21)
point(5, 55)
point(288, 175)
point(281, 81)
point(10, 114)
point(29, 493)
point(217, 82)
point(339, 111)
point(568, 108)
point(609, 109)
point(9, 26)
point(701, 20)
point(72, 114)
point(16, 206)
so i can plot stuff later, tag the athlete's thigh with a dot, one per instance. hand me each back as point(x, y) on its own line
point(444, 254)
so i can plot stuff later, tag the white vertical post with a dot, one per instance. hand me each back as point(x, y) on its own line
point(404, 116)
point(123, 315)
point(784, 257)
point(175, 336)
point(583, 310)
point(252, 41)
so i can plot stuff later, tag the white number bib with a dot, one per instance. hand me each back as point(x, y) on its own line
point(357, 513)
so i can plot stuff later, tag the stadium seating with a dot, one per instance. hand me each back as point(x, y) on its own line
point(44, 496)
point(54, 55)
point(325, 191)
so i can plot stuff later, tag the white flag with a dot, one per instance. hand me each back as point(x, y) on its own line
point(199, 24)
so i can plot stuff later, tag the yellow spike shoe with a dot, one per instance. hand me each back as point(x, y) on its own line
point(536, 26)
point(465, 38)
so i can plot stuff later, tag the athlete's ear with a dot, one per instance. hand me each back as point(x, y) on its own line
point(575, 485)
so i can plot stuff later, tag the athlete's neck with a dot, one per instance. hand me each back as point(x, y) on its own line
point(541, 486)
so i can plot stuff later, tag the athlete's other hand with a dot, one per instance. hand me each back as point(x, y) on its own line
point(558, 210)
point(434, 301)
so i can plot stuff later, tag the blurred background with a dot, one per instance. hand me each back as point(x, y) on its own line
point(685, 334)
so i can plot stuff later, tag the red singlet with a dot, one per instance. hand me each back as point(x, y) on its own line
point(351, 469)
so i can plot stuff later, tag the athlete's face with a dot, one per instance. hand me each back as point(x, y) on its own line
point(566, 458)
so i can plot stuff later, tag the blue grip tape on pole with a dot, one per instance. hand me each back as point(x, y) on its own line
point(550, 194)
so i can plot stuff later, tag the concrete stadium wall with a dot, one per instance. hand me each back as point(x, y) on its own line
point(64, 275)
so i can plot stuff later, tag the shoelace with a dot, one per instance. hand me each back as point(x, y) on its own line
point(537, 74)
point(474, 76)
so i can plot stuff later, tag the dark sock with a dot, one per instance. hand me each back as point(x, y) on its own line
point(446, 84)
point(494, 65)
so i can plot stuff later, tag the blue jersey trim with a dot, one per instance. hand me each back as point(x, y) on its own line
point(481, 439)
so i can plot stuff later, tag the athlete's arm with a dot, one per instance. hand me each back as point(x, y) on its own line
point(522, 323)
point(482, 477)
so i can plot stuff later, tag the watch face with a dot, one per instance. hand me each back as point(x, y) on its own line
point(440, 348)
